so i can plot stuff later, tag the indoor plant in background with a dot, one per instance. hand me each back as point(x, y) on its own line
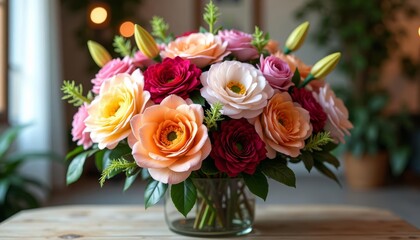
point(205, 118)
point(368, 34)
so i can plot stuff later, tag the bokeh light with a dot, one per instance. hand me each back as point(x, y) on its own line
point(127, 29)
point(98, 15)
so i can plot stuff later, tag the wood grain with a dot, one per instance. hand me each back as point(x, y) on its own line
point(272, 222)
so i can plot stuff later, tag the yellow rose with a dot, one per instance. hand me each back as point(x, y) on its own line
point(201, 49)
point(120, 98)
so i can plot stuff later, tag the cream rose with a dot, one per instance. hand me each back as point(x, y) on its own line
point(201, 49)
point(337, 122)
point(120, 98)
point(239, 87)
point(170, 139)
point(283, 126)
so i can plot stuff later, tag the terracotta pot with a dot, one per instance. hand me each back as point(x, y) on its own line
point(366, 171)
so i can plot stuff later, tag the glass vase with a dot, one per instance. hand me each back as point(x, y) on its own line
point(224, 207)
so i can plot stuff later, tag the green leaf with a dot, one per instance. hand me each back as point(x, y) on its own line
point(296, 78)
point(279, 171)
point(399, 160)
point(7, 138)
point(4, 187)
point(183, 196)
point(154, 191)
point(99, 159)
point(74, 152)
point(196, 97)
point(308, 160)
point(326, 171)
point(129, 180)
point(327, 157)
point(120, 151)
point(209, 168)
point(76, 168)
point(257, 183)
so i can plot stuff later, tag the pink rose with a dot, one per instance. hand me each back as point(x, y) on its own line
point(337, 122)
point(277, 72)
point(237, 148)
point(111, 69)
point(239, 43)
point(172, 76)
point(141, 61)
point(78, 128)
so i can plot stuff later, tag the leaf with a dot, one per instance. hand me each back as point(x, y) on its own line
point(129, 180)
point(196, 97)
point(120, 151)
point(399, 160)
point(76, 168)
point(209, 168)
point(296, 78)
point(4, 187)
point(279, 171)
point(183, 196)
point(326, 171)
point(99, 159)
point(327, 157)
point(154, 191)
point(74, 152)
point(308, 160)
point(7, 138)
point(257, 183)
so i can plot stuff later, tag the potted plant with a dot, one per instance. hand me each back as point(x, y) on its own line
point(366, 33)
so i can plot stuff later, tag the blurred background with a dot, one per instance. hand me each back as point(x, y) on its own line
point(43, 42)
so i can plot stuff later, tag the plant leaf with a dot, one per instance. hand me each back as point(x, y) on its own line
point(257, 183)
point(129, 180)
point(183, 196)
point(76, 168)
point(4, 187)
point(279, 171)
point(120, 151)
point(296, 78)
point(209, 168)
point(154, 191)
point(196, 97)
point(399, 160)
point(7, 139)
point(74, 152)
point(308, 160)
point(327, 157)
point(326, 171)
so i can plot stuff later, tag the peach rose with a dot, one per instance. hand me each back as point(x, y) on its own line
point(170, 139)
point(120, 98)
point(283, 126)
point(201, 49)
point(294, 62)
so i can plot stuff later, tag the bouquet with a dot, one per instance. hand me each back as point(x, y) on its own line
point(216, 103)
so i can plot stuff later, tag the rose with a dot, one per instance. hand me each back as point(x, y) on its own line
point(306, 99)
point(172, 76)
point(237, 147)
point(277, 72)
point(337, 115)
point(201, 49)
point(120, 98)
point(141, 61)
point(294, 62)
point(111, 69)
point(239, 87)
point(283, 126)
point(170, 139)
point(239, 43)
point(78, 128)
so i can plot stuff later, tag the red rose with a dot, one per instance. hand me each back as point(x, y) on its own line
point(237, 147)
point(306, 99)
point(172, 76)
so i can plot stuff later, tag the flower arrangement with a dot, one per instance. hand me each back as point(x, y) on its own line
point(217, 103)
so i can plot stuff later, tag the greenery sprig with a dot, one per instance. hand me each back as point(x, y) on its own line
point(117, 166)
point(259, 39)
point(316, 141)
point(210, 16)
point(74, 94)
point(123, 46)
point(213, 115)
point(160, 29)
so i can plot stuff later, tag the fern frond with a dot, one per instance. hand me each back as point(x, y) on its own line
point(316, 141)
point(213, 115)
point(159, 28)
point(259, 39)
point(116, 166)
point(74, 94)
point(123, 46)
point(210, 16)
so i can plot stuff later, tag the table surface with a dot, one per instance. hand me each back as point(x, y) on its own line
point(272, 222)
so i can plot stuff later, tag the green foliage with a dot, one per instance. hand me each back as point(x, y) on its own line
point(296, 77)
point(74, 94)
point(123, 46)
point(154, 191)
point(213, 115)
point(16, 189)
point(316, 141)
point(183, 196)
point(279, 171)
point(210, 16)
point(160, 29)
point(75, 169)
point(257, 183)
point(117, 166)
point(259, 40)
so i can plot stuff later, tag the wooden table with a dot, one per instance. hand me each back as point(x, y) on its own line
point(272, 222)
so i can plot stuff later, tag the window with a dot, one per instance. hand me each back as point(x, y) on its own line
point(3, 60)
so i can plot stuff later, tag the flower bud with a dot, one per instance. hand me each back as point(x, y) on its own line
point(98, 53)
point(324, 66)
point(296, 38)
point(145, 42)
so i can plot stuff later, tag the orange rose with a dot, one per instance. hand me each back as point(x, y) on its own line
point(201, 49)
point(283, 126)
point(170, 139)
point(294, 63)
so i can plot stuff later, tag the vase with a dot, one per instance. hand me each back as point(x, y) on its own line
point(224, 207)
